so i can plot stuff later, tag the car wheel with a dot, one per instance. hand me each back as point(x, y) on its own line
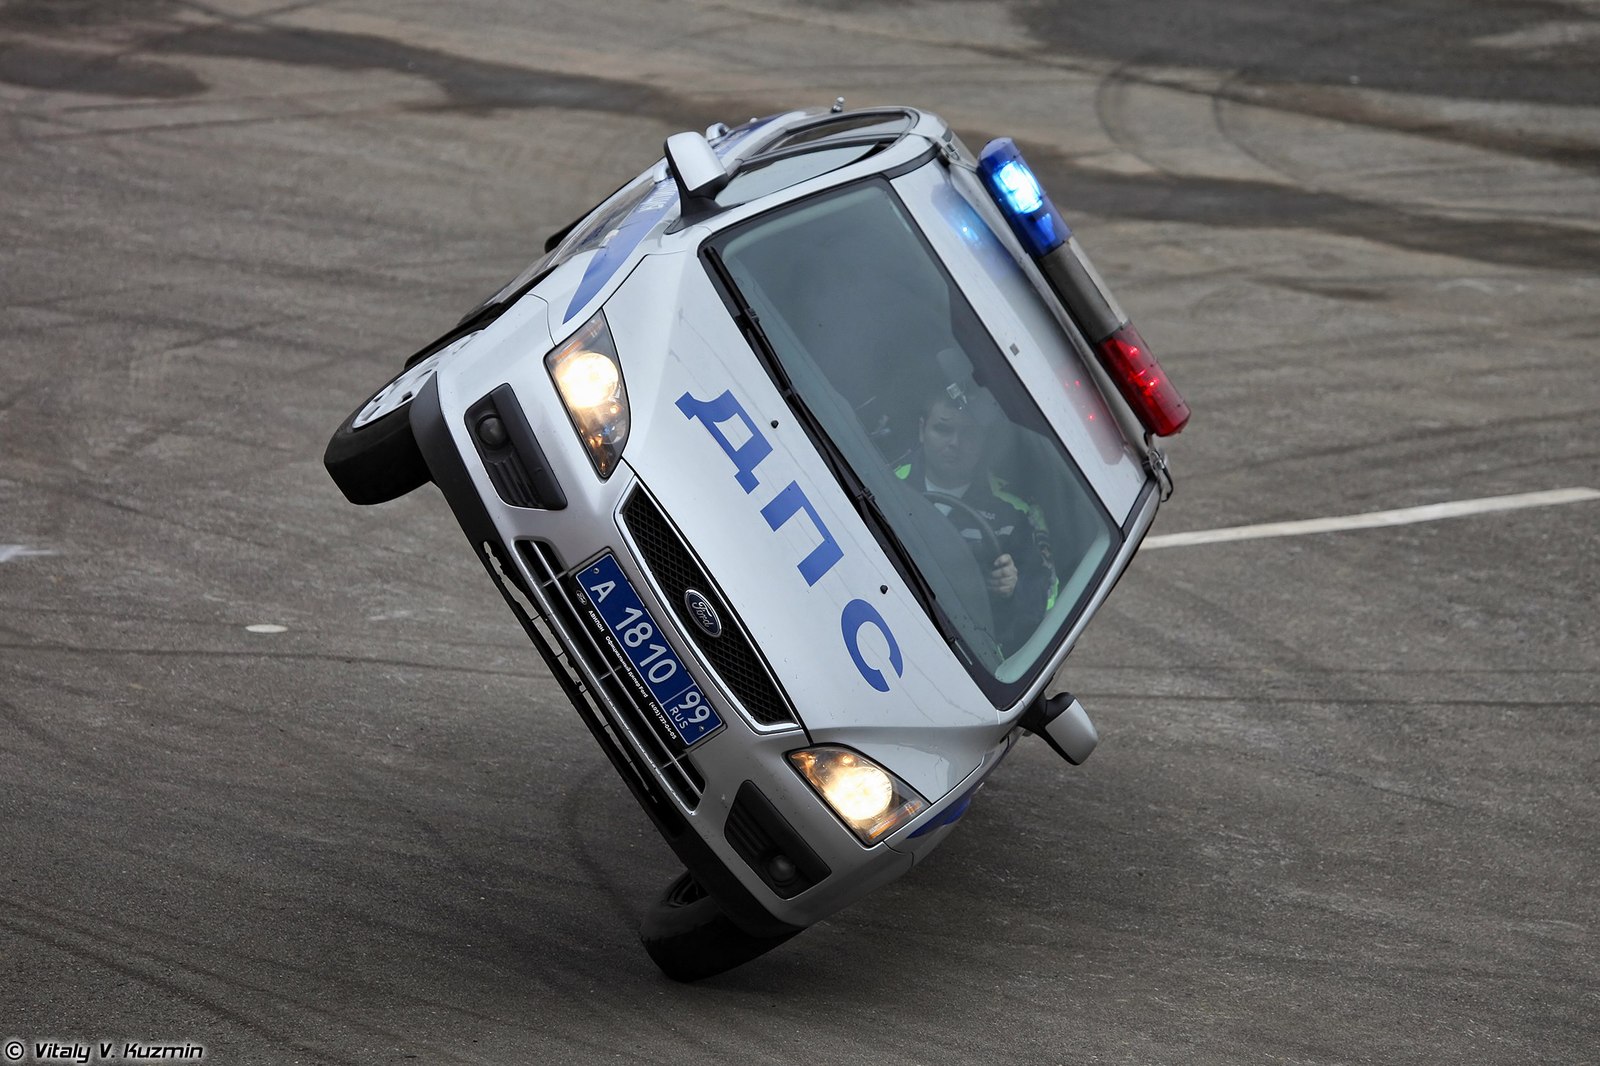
point(372, 456)
point(689, 936)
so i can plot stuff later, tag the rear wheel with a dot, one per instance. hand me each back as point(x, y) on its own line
point(373, 456)
point(689, 936)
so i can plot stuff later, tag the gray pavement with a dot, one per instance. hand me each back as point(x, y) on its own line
point(1345, 807)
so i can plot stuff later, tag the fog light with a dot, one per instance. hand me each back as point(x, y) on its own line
point(492, 432)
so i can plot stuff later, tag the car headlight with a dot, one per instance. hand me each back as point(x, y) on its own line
point(866, 797)
point(588, 376)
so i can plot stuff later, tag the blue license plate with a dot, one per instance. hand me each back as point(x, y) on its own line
point(681, 713)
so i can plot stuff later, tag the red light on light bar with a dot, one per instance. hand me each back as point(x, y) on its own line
point(1142, 382)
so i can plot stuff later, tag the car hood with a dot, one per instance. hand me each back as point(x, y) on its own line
point(716, 445)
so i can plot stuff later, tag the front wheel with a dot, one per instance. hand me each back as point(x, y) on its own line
point(689, 936)
point(373, 456)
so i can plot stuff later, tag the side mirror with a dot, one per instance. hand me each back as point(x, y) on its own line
point(698, 172)
point(1064, 725)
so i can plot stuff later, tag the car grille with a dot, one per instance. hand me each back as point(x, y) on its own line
point(731, 655)
point(598, 674)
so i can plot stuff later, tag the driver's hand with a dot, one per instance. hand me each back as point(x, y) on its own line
point(1003, 578)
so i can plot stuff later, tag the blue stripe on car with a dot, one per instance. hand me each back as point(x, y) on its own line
point(609, 259)
point(617, 250)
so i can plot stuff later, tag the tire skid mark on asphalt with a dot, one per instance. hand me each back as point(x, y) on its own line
point(1542, 464)
point(1241, 204)
point(470, 85)
point(1228, 91)
point(216, 123)
point(52, 740)
point(1334, 772)
point(47, 929)
point(69, 493)
point(1198, 628)
point(119, 956)
point(903, 31)
point(1334, 768)
point(1255, 85)
point(1349, 108)
point(94, 927)
point(49, 302)
point(513, 945)
point(1356, 694)
point(66, 494)
point(1131, 71)
point(283, 656)
point(1297, 202)
point(580, 845)
point(1418, 440)
point(513, 956)
point(1268, 353)
point(478, 916)
point(13, 633)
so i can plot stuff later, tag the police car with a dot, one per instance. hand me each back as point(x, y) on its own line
point(803, 459)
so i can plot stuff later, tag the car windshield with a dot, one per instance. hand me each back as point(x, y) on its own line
point(886, 353)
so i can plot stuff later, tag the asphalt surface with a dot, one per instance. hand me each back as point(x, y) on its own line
point(1345, 807)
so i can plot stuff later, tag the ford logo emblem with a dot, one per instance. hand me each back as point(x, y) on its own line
point(704, 615)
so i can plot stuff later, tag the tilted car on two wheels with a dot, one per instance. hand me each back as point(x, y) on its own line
point(803, 459)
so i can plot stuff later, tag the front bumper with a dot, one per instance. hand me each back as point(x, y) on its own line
point(731, 807)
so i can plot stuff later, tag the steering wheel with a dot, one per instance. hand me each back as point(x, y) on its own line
point(988, 546)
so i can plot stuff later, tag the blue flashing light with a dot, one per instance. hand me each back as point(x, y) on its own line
point(1034, 219)
point(1019, 187)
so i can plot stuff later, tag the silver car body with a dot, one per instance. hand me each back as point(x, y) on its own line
point(930, 724)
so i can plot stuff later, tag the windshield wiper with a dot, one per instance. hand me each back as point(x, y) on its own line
point(900, 555)
point(866, 505)
point(750, 324)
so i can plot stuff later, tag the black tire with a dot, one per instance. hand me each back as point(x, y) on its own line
point(689, 936)
point(379, 461)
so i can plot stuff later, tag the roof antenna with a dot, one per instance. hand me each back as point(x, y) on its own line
point(838, 105)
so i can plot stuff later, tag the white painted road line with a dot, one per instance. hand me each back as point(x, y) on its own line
point(12, 552)
point(1405, 516)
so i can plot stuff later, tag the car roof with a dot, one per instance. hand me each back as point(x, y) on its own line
point(643, 217)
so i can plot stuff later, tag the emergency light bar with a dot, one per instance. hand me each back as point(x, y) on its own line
point(1034, 219)
point(1047, 238)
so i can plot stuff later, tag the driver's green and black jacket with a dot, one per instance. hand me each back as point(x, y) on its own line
point(1020, 529)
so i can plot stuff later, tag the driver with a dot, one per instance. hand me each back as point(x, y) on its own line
point(949, 461)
